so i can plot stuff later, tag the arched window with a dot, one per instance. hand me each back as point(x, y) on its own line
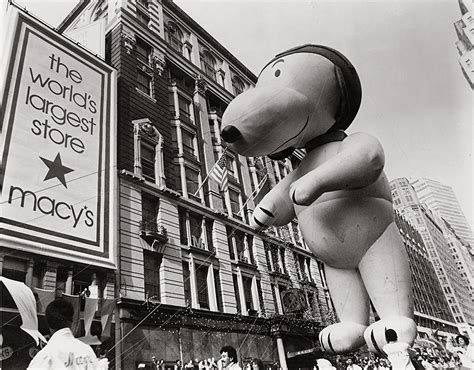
point(208, 64)
point(175, 37)
point(237, 85)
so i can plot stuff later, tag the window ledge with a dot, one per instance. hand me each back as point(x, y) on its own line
point(199, 250)
point(246, 264)
point(145, 95)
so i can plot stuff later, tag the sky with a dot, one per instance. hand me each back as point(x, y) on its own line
point(416, 100)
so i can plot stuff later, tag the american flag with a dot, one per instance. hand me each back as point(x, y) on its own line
point(219, 173)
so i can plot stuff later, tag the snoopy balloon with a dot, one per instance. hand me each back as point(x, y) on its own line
point(305, 98)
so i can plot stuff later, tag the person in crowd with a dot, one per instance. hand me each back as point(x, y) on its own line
point(351, 365)
point(397, 352)
point(63, 351)
point(465, 351)
point(189, 364)
point(178, 365)
point(323, 364)
point(256, 364)
point(159, 364)
point(229, 358)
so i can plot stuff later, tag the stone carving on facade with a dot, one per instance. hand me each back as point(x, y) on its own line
point(146, 129)
point(128, 39)
point(158, 62)
point(200, 86)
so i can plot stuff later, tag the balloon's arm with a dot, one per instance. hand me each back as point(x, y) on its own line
point(276, 207)
point(358, 163)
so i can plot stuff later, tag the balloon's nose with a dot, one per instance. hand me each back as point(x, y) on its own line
point(230, 134)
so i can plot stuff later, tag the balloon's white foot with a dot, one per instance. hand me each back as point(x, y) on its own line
point(375, 334)
point(342, 337)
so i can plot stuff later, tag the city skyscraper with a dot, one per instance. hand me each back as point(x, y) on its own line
point(431, 306)
point(441, 251)
point(465, 33)
point(441, 199)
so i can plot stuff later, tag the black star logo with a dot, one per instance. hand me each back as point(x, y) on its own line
point(56, 169)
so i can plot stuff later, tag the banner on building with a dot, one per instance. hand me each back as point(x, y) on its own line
point(58, 137)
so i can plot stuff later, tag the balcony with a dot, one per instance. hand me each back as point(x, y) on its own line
point(153, 233)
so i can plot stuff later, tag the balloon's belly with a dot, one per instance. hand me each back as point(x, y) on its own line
point(340, 231)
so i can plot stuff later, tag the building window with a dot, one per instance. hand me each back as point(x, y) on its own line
point(215, 131)
point(282, 259)
point(186, 283)
point(208, 64)
point(150, 208)
point(143, 17)
point(184, 109)
point(148, 160)
point(217, 284)
point(240, 246)
point(275, 258)
point(260, 296)
point(230, 242)
point(183, 233)
point(148, 148)
point(188, 142)
point(235, 202)
point(209, 234)
point(151, 270)
point(143, 3)
point(201, 284)
point(250, 249)
point(144, 82)
point(308, 268)
point(195, 226)
point(192, 182)
point(236, 293)
point(247, 286)
point(281, 289)
point(195, 230)
point(275, 303)
point(237, 85)
point(143, 51)
point(175, 37)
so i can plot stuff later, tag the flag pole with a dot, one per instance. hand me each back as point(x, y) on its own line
point(210, 171)
point(252, 195)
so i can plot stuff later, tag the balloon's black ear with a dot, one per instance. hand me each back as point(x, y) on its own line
point(282, 155)
point(347, 78)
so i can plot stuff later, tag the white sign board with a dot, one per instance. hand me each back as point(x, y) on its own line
point(92, 36)
point(58, 158)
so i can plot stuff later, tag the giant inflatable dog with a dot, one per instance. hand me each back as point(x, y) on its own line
point(305, 98)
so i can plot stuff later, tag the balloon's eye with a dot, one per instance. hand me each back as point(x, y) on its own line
point(277, 73)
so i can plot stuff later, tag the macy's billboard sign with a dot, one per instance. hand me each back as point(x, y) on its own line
point(58, 139)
